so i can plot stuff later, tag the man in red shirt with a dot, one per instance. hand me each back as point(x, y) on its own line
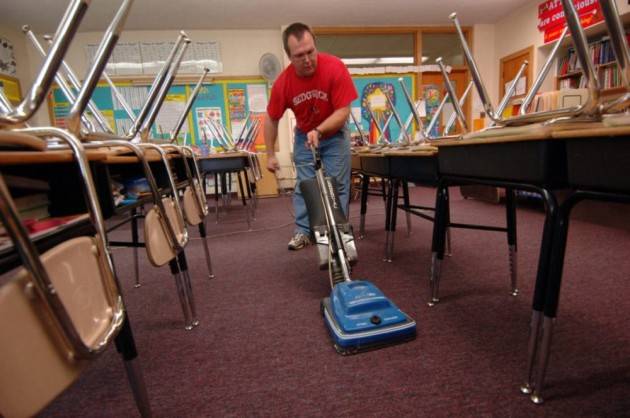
point(318, 89)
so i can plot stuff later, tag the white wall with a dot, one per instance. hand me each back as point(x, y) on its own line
point(485, 56)
point(240, 49)
point(23, 67)
point(17, 39)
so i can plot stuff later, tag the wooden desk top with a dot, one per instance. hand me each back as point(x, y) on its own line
point(593, 132)
point(38, 157)
point(238, 154)
point(428, 152)
point(534, 132)
point(21, 140)
point(115, 157)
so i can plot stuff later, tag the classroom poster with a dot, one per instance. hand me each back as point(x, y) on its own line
point(209, 136)
point(373, 91)
point(236, 104)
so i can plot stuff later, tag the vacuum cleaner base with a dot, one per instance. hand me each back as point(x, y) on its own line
point(347, 343)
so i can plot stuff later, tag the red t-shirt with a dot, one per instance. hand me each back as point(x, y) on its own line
point(313, 98)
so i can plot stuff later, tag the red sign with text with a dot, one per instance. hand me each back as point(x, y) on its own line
point(551, 16)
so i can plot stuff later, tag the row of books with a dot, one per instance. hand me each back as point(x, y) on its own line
point(545, 102)
point(601, 53)
point(31, 200)
point(609, 78)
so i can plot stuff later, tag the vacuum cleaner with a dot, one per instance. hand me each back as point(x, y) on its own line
point(359, 317)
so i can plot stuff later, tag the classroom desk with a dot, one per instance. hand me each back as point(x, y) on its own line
point(53, 166)
point(532, 159)
point(372, 163)
point(222, 165)
point(128, 166)
point(418, 166)
point(399, 166)
point(597, 162)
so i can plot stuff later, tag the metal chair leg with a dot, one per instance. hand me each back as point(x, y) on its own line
point(190, 296)
point(181, 293)
point(187, 287)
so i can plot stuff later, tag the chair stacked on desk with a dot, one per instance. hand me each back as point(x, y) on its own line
point(63, 305)
point(164, 227)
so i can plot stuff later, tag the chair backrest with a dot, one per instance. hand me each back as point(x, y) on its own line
point(194, 199)
point(37, 361)
point(156, 237)
point(191, 206)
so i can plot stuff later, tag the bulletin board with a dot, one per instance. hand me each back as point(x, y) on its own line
point(10, 87)
point(371, 90)
point(228, 100)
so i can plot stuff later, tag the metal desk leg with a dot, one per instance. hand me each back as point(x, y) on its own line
point(224, 190)
point(437, 244)
point(405, 186)
point(392, 219)
point(181, 293)
point(552, 294)
point(365, 184)
point(244, 200)
point(204, 244)
point(135, 240)
point(510, 216)
point(228, 184)
point(384, 188)
point(447, 246)
point(388, 217)
point(181, 259)
point(216, 196)
point(251, 193)
point(544, 259)
point(126, 347)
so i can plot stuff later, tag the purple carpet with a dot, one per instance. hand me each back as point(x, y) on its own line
point(262, 349)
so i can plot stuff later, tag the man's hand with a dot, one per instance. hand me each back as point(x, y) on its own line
point(312, 138)
point(272, 163)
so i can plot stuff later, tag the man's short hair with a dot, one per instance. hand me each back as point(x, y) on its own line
point(298, 30)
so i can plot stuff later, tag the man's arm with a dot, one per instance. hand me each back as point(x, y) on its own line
point(331, 124)
point(271, 133)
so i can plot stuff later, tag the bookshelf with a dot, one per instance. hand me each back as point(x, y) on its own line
point(569, 73)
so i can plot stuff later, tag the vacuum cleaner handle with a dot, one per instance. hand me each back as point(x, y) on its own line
point(335, 237)
point(316, 157)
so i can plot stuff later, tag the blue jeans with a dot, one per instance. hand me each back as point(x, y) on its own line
point(335, 154)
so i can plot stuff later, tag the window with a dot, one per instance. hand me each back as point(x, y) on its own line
point(445, 45)
point(370, 49)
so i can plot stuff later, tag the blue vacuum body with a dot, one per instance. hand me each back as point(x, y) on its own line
point(359, 317)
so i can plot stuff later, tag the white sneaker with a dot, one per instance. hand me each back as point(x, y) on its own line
point(299, 241)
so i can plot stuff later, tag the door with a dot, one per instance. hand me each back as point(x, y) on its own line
point(509, 66)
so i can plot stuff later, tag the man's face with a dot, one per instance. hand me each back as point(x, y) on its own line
point(303, 54)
